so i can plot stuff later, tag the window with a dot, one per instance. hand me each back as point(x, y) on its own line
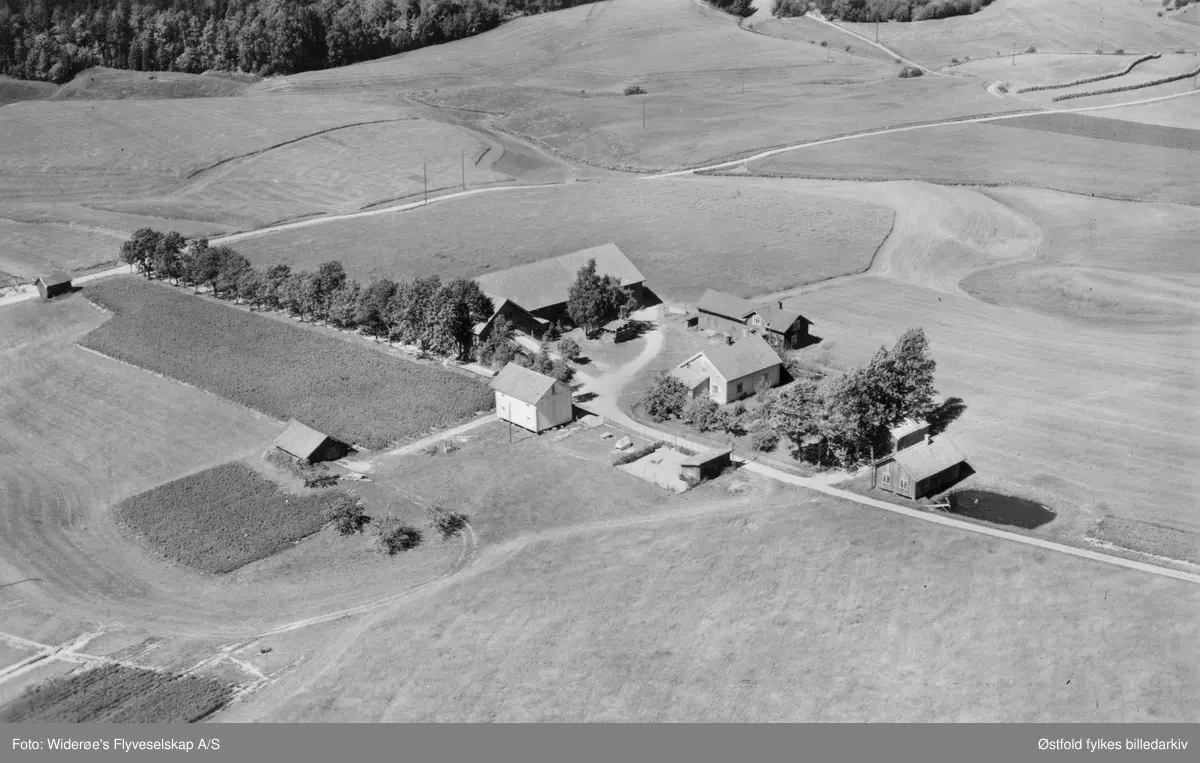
point(903, 482)
point(739, 388)
point(887, 478)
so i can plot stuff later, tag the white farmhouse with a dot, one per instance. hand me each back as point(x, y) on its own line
point(731, 372)
point(531, 400)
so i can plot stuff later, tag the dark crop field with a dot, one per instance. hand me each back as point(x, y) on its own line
point(354, 393)
point(118, 694)
point(223, 518)
point(1109, 129)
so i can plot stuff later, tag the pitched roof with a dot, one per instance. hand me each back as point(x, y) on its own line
point(729, 305)
point(54, 279)
point(522, 383)
point(907, 427)
point(704, 457)
point(744, 357)
point(926, 459)
point(778, 319)
point(299, 439)
point(546, 282)
point(691, 377)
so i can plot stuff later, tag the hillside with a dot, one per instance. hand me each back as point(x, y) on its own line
point(14, 90)
point(99, 83)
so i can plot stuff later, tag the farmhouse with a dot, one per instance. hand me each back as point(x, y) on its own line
point(907, 432)
point(307, 444)
point(531, 400)
point(541, 288)
point(731, 372)
point(919, 470)
point(53, 285)
point(738, 318)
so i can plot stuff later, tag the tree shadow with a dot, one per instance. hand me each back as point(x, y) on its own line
point(649, 298)
point(807, 340)
point(585, 397)
point(945, 414)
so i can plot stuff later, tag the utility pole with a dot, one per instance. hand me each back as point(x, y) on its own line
point(425, 175)
point(643, 115)
point(1014, 53)
point(743, 81)
point(876, 31)
point(464, 168)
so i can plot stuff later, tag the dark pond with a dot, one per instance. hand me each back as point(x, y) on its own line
point(999, 509)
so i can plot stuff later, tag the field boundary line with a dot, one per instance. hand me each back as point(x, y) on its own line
point(1089, 80)
point(819, 17)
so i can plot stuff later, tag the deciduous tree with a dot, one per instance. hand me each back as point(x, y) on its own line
point(138, 251)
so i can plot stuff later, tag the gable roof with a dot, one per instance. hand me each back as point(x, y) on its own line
point(907, 427)
point(728, 305)
point(299, 439)
point(926, 459)
point(522, 383)
point(544, 283)
point(779, 319)
point(54, 279)
point(691, 377)
point(744, 357)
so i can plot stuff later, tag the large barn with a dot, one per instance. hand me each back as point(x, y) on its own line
point(531, 400)
point(738, 318)
point(307, 444)
point(541, 288)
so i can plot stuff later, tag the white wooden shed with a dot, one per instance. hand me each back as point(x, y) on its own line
point(531, 400)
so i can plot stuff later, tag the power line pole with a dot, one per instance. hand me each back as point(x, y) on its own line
point(464, 168)
point(1014, 54)
point(643, 115)
point(743, 81)
point(876, 31)
point(425, 176)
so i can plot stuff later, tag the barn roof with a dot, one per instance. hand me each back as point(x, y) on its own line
point(728, 305)
point(777, 318)
point(742, 358)
point(706, 457)
point(928, 458)
point(522, 383)
point(299, 439)
point(544, 283)
point(907, 427)
point(54, 279)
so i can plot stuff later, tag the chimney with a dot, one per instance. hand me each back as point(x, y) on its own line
point(781, 305)
point(926, 438)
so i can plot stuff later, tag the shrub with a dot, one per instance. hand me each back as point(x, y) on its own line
point(1099, 51)
point(633, 455)
point(562, 371)
point(897, 60)
point(849, 48)
point(395, 536)
point(764, 440)
point(1135, 86)
point(634, 90)
point(789, 8)
point(699, 413)
point(739, 408)
point(569, 348)
point(446, 523)
point(724, 420)
point(1002, 87)
point(1031, 49)
point(954, 62)
point(1180, 52)
point(910, 71)
point(665, 399)
point(349, 517)
point(1119, 52)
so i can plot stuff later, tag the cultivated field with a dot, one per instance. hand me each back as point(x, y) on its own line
point(1177, 112)
point(223, 518)
point(721, 618)
point(104, 84)
point(354, 393)
point(1020, 151)
point(118, 694)
point(1080, 26)
point(30, 250)
point(684, 235)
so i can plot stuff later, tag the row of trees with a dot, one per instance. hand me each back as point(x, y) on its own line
point(843, 419)
point(54, 40)
point(437, 317)
point(882, 10)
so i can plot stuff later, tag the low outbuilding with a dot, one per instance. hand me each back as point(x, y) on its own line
point(705, 465)
point(307, 444)
point(919, 470)
point(50, 286)
point(531, 400)
point(907, 432)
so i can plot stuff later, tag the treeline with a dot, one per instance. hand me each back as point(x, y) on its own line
point(53, 41)
point(743, 8)
point(882, 10)
point(842, 419)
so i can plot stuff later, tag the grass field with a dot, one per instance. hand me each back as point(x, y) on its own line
point(118, 694)
point(14, 90)
point(351, 392)
point(223, 518)
point(33, 249)
point(723, 618)
point(684, 235)
point(1074, 26)
point(989, 153)
point(104, 84)
point(812, 32)
point(1178, 112)
point(1047, 68)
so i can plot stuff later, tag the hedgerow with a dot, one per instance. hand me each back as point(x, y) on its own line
point(223, 518)
point(1097, 78)
point(1135, 86)
point(118, 694)
point(630, 456)
point(354, 393)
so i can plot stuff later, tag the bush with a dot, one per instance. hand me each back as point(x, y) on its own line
point(634, 90)
point(395, 536)
point(954, 62)
point(739, 408)
point(349, 517)
point(665, 399)
point(633, 455)
point(849, 48)
point(446, 523)
point(699, 413)
point(789, 8)
point(824, 43)
point(569, 348)
point(764, 440)
point(1119, 52)
point(1031, 49)
point(910, 71)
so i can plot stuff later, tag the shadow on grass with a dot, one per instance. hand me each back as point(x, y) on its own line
point(585, 397)
point(945, 414)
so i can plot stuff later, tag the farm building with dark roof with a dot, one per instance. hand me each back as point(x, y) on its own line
point(919, 470)
point(307, 444)
point(54, 284)
point(737, 318)
point(542, 288)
